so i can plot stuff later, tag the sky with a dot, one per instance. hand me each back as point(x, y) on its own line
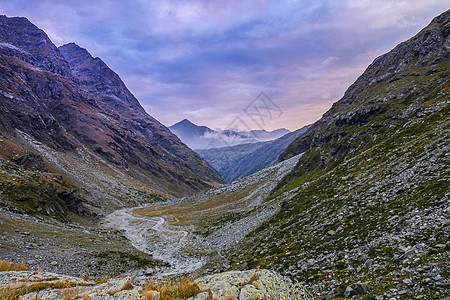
point(233, 64)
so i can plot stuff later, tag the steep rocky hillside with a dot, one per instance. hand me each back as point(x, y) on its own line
point(83, 113)
point(21, 39)
point(242, 160)
point(368, 204)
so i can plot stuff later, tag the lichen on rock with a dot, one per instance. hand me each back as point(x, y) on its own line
point(253, 284)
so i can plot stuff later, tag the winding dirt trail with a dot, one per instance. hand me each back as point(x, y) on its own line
point(154, 236)
point(185, 231)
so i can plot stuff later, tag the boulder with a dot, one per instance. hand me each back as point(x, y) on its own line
point(244, 285)
point(356, 289)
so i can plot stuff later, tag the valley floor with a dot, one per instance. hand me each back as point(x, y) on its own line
point(159, 239)
point(188, 232)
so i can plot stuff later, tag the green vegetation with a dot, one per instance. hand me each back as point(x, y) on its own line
point(135, 259)
point(35, 192)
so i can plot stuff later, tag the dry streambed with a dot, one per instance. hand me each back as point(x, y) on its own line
point(187, 231)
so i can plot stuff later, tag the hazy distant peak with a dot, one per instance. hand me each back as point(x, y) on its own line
point(203, 137)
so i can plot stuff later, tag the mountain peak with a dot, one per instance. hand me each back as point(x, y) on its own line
point(97, 78)
point(187, 127)
point(73, 47)
point(22, 39)
point(18, 21)
point(186, 121)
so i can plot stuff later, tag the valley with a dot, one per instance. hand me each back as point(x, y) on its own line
point(102, 201)
point(187, 232)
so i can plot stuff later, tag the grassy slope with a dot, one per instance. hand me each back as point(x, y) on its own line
point(367, 191)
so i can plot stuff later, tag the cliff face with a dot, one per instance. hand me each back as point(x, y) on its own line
point(79, 104)
point(368, 199)
point(141, 140)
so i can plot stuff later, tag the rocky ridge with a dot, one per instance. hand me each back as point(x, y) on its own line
point(20, 38)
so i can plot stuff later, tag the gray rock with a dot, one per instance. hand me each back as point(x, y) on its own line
point(252, 284)
point(356, 289)
point(201, 296)
point(410, 252)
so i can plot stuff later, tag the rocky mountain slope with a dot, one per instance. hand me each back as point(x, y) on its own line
point(21, 39)
point(366, 207)
point(170, 237)
point(77, 114)
point(202, 137)
point(242, 160)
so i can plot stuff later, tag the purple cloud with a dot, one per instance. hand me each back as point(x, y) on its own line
point(206, 60)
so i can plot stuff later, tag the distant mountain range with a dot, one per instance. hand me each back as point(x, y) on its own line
point(202, 137)
point(242, 160)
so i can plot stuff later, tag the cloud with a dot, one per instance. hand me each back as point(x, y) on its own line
point(206, 60)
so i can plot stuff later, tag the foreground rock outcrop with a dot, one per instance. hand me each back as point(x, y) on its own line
point(252, 284)
point(239, 285)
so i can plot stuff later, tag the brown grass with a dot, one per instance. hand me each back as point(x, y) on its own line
point(73, 294)
point(178, 290)
point(253, 278)
point(39, 279)
point(10, 266)
point(13, 293)
point(186, 214)
point(127, 286)
point(97, 280)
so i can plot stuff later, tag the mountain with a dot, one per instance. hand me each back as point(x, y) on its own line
point(242, 160)
point(21, 39)
point(75, 116)
point(97, 78)
point(191, 134)
point(365, 210)
point(202, 137)
point(263, 135)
